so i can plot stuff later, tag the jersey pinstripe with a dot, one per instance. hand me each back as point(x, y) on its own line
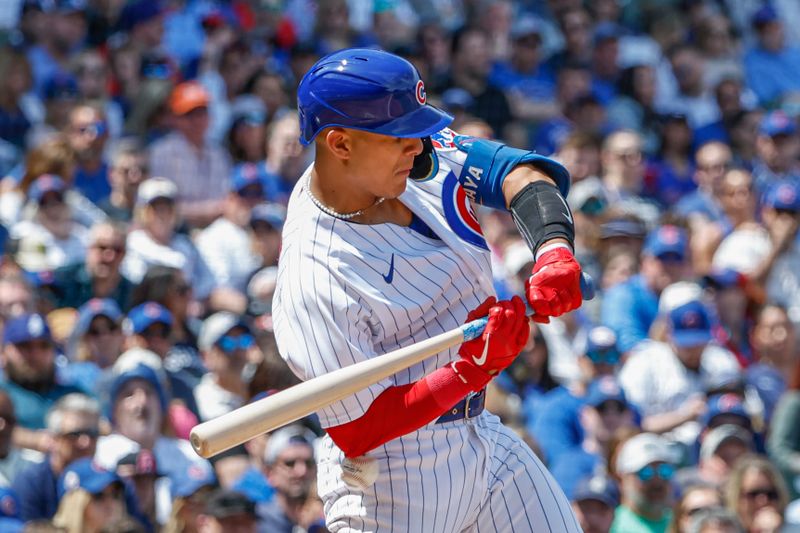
point(348, 292)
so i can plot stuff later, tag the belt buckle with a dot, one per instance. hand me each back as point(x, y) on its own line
point(467, 400)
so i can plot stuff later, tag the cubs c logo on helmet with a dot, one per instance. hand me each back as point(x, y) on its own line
point(421, 97)
point(459, 214)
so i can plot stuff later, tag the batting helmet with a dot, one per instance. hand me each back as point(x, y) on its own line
point(369, 90)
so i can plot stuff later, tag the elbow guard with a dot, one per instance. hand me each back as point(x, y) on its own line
point(541, 214)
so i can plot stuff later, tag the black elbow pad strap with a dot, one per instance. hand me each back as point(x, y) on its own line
point(541, 214)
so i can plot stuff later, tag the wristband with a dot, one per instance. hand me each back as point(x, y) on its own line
point(542, 214)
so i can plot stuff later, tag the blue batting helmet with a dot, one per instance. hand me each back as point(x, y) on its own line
point(369, 90)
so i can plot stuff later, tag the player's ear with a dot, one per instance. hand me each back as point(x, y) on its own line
point(338, 142)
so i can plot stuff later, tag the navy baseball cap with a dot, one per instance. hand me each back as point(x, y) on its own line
point(691, 324)
point(777, 123)
point(87, 475)
point(271, 213)
point(224, 503)
point(24, 328)
point(145, 315)
point(665, 241)
point(783, 195)
point(603, 390)
point(764, 15)
point(44, 184)
point(247, 174)
point(724, 278)
point(726, 404)
point(606, 31)
point(92, 309)
point(10, 521)
point(186, 482)
point(600, 488)
point(138, 12)
point(60, 87)
point(140, 371)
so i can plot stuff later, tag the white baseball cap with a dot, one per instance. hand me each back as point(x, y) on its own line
point(154, 188)
point(641, 450)
point(216, 326)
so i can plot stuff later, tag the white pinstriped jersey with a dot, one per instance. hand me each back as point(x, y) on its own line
point(347, 292)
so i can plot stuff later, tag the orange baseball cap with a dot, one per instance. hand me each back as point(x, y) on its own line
point(187, 97)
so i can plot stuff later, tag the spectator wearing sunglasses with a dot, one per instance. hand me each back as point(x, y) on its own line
point(605, 413)
point(87, 132)
point(225, 342)
point(225, 244)
point(757, 494)
point(99, 275)
point(73, 423)
point(645, 465)
point(695, 499)
point(555, 423)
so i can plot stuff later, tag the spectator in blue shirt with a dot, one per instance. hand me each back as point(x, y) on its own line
point(87, 132)
point(630, 308)
point(778, 149)
point(73, 423)
point(772, 67)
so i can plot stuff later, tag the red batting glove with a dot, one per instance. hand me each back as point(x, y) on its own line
point(554, 287)
point(505, 335)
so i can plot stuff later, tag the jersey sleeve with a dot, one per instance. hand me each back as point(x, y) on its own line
point(321, 324)
point(482, 165)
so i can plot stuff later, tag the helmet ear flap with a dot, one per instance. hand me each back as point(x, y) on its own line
point(424, 162)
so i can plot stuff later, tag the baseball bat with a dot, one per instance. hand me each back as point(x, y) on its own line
point(242, 424)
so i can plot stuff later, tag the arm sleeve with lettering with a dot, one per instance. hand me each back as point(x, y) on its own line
point(482, 165)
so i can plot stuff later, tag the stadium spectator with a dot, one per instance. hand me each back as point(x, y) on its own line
point(66, 30)
point(716, 520)
point(593, 502)
point(17, 79)
point(669, 174)
point(127, 170)
point(772, 66)
point(757, 494)
point(99, 275)
point(777, 148)
point(73, 424)
point(140, 471)
point(667, 381)
point(227, 511)
point(775, 344)
point(289, 459)
point(633, 108)
point(695, 498)
point(225, 343)
point(13, 460)
point(89, 498)
point(199, 168)
point(720, 448)
point(693, 99)
point(189, 492)
point(16, 296)
point(645, 465)
point(630, 308)
point(87, 132)
point(712, 160)
point(783, 443)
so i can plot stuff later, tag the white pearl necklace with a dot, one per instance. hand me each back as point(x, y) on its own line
point(335, 214)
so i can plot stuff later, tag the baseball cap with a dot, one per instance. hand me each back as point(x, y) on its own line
point(764, 15)
point(186, 482)
point(666, 240)
point(138, 12)
point(145, 315)
point(777, 123)
point(246, 174)
point(26, 328)
point(600, 488)
point(87, 475)
point(281, 439)
point(622, 227)
point(44, 184)
point(726, 404)
point(723, 278)
point(225, 503)
point(187, 97)
point(606, 31)
point(524, 26)
point(719, 435)
point(140, 463)
point(143, 372)
point(603, 390)
point(783, 195)
point(154, 188)
point(10, 521)
point(92, 309)
point(677, 294)
point(269, 212)
point(60, 87)
point(216, 326)
point(641, 450)
point(588, 196)
point(691, 324)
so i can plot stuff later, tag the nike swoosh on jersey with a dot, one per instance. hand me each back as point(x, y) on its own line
point(567, 212)
point(390, 276)
point(482, 359)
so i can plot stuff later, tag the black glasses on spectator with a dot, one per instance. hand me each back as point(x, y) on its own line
point(289, 463)
point(51, 200)
point(771, 494)
point(109, 247)
point(96, 331)
point(161, 331)
point(78, 433)
point(609, 357)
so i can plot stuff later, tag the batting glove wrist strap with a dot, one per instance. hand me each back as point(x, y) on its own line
point(542, 214)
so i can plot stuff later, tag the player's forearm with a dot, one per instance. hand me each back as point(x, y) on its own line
point(522, 175)
point(403, 409)
point(664, 422)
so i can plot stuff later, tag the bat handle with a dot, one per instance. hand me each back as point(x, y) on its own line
point(473, 330)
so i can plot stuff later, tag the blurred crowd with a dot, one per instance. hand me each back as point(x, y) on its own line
point(147, 153)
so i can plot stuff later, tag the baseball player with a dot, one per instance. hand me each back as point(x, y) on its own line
point(381, 249)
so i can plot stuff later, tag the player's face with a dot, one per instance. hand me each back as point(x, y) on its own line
point(380, 164)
